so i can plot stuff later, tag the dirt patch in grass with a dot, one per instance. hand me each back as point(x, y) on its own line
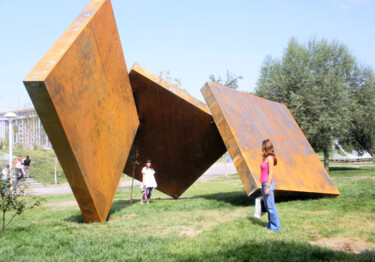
point(211, 219)
point(61, 205)
point(190, 224)
point(189, 232)
point(118, 218)
point(344, 244)
point(315, 234)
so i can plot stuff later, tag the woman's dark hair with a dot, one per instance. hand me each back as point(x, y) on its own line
point(149, 161)
point(268, 150)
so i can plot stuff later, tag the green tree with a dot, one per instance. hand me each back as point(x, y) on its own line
point(314, 81)
point(12, 200)
point(166, 75)
point(230, 81)
point(362, 108)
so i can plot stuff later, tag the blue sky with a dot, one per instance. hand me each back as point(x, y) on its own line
point(192, 39)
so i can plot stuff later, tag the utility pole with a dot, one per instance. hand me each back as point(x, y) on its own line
point(55, 170)
point(10, 116)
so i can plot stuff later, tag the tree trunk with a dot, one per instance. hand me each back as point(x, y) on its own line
point(55, 170)
point(326, 159)
point(3, 221)
point(131, 194)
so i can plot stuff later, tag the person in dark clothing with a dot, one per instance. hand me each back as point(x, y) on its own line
point(26, 164)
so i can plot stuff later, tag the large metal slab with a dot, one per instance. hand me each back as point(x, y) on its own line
point(244, 121)
point(82, 94)
point(176, 131)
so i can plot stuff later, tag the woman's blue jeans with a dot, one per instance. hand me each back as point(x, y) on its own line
point(269, 203)
point(148, 193)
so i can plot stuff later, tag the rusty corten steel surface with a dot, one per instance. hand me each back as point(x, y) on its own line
point(245, 120)
point(176, 132)
point(82, 94)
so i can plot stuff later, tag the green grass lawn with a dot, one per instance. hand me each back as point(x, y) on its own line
point(212, 222)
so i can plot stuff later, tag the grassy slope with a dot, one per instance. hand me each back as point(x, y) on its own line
point(42, 165)
point(212, 222)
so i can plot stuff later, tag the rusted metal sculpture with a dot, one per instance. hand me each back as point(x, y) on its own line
point(84, 98)
point(176, 131)
point(82, 94)
point(244, 121)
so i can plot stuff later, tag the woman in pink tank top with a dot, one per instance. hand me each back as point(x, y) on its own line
point(268, 187)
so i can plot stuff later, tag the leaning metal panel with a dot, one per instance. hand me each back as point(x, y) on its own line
point(245, 120)
point(82, 94)
point(176, 131)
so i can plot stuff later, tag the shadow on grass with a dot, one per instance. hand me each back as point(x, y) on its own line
point(78, 218)
point(238, 198)
point(117, 205)
point(257, 221)
point(16, 229)
point(276, 251)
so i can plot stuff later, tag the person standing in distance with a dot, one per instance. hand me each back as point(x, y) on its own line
point(20, 173)
point(148, 181)
point(26, 165)
point(268, 187)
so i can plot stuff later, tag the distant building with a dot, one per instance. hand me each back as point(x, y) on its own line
point(27, 130)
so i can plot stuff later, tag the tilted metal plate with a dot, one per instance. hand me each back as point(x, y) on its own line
point(82, 94)
point(245, 120)
point(176, 132)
